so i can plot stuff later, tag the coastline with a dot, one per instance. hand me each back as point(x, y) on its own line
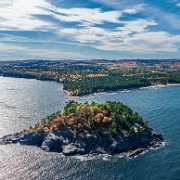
point(51, 142)
point(125, 90)
point(152, 161)
point(93, 128)
point(161, 85)
point(96, 93)
point(129, 155)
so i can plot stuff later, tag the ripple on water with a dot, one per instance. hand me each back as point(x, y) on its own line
point(35, 99)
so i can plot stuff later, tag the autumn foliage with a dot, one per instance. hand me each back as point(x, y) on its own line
point(84, 116)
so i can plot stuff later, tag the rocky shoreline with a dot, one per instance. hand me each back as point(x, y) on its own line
point(65, 142)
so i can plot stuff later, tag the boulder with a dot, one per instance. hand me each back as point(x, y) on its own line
point(136, 152)
point(31, 138)
point(9, 139)
point(65, 135)
point(52, 143)
point(70, 149)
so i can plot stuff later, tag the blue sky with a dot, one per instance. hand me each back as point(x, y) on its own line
point(89, 29)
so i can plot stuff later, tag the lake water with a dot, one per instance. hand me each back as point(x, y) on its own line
point(23, 102)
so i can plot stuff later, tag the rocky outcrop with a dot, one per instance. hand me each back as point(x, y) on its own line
point(102, 142)
point(136, 152)
point(29, 138)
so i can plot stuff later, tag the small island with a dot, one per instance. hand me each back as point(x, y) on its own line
point(90, 128)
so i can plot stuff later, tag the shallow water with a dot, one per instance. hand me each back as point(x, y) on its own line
point(24, 102)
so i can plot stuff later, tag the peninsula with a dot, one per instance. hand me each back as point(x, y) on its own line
point(93, 76)
point(90, 128)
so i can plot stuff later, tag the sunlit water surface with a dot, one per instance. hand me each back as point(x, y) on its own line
point(23, 102)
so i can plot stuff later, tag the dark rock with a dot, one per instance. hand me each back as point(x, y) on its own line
point(65, 135)
point(9, 139)
point(157, 135)
point(52, 143)
point(136, 152)
point(31, 138)
point(87, 142)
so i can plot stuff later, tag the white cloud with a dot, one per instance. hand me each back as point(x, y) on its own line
point(138, 25)
point(166, 17)
point(20, 15)
point(86, 15)
point(92, 34)
point(171, 20)
point(131, 35)
point(146, 42)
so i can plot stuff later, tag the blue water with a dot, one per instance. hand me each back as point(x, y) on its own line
point(24, 102)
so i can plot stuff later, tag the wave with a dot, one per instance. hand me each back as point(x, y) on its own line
point(159, 86)
point(107, 157)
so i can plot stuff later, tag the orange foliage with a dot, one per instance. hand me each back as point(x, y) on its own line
point(99, 116)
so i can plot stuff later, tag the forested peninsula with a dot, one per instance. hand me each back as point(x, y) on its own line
point(86, 77)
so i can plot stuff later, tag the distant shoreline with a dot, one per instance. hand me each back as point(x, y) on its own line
point(110, 91)
point(126, 90)
point(161, 85)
